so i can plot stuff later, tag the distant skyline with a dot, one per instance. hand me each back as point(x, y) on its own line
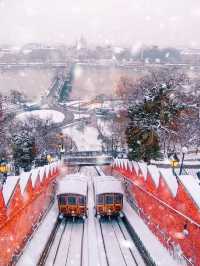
point(117, 22)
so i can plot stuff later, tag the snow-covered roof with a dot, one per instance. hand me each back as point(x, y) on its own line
point(9, 187)
point(143, 168)
point(73, 185)
point(155, 174)
point(107, 184)
point(192, 187)
point(170, 179)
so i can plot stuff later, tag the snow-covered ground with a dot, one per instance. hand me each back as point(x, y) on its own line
point(36, 245)
point(158, 253)
point(86, 139)
point(54, 116)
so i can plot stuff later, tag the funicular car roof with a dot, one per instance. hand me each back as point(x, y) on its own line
point(107, 184)
point(72, 185)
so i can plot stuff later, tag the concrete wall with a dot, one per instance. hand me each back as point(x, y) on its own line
point(22, 213)
point(168, 207)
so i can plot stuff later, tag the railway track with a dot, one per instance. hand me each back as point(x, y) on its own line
point(95, 242)
point(118, 245)
point(65, 244)
point(126, 236)
point(49, 243)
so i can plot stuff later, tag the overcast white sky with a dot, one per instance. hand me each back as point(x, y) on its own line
point(162, 22)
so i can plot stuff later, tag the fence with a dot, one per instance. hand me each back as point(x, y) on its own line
point(23, 211)
point(173, 217)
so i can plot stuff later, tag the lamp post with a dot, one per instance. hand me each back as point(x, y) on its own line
point(184, 151)
point(174, 163)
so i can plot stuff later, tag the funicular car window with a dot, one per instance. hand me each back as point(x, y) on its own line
point(72, 200)
point(100, 199)
point(109, 199)
point(81, 200)
point(118, 198)
point(63, 200)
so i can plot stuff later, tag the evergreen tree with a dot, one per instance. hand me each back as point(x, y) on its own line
point(23, 151)
point(147, 119)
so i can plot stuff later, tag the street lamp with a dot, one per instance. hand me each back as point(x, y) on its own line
point(184, 151)
point(174, 161)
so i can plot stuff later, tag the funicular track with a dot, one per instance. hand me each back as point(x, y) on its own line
point(118, 245)
point(49, 243)
point(128, 249)
point(102, 242)
point(65, 244)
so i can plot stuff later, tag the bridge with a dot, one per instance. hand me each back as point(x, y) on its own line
point(17, 65)
point(83, 158)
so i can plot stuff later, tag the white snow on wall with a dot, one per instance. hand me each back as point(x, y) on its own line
point(192, 187)
point(117, 162)
point(159, 254)
point(130, 165)
point(34, 176)
point(125, 164)
point(170, 180)
point(24, 177)
point(120, 163)
point(143, 168)
point(155, 174)
point(42, 171)
point(23, 180)
point(9, 187)
point(135, 166)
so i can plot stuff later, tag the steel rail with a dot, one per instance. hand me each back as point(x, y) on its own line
point(104, 244)
point(138, 243)
point(126, 239)
point(118, 242)
point(57, 249)
point(49, 243)
point(82, 244)
point(68, 248)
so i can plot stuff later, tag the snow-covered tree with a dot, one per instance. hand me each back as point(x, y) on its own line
point(153, 116)
point(17, 97)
